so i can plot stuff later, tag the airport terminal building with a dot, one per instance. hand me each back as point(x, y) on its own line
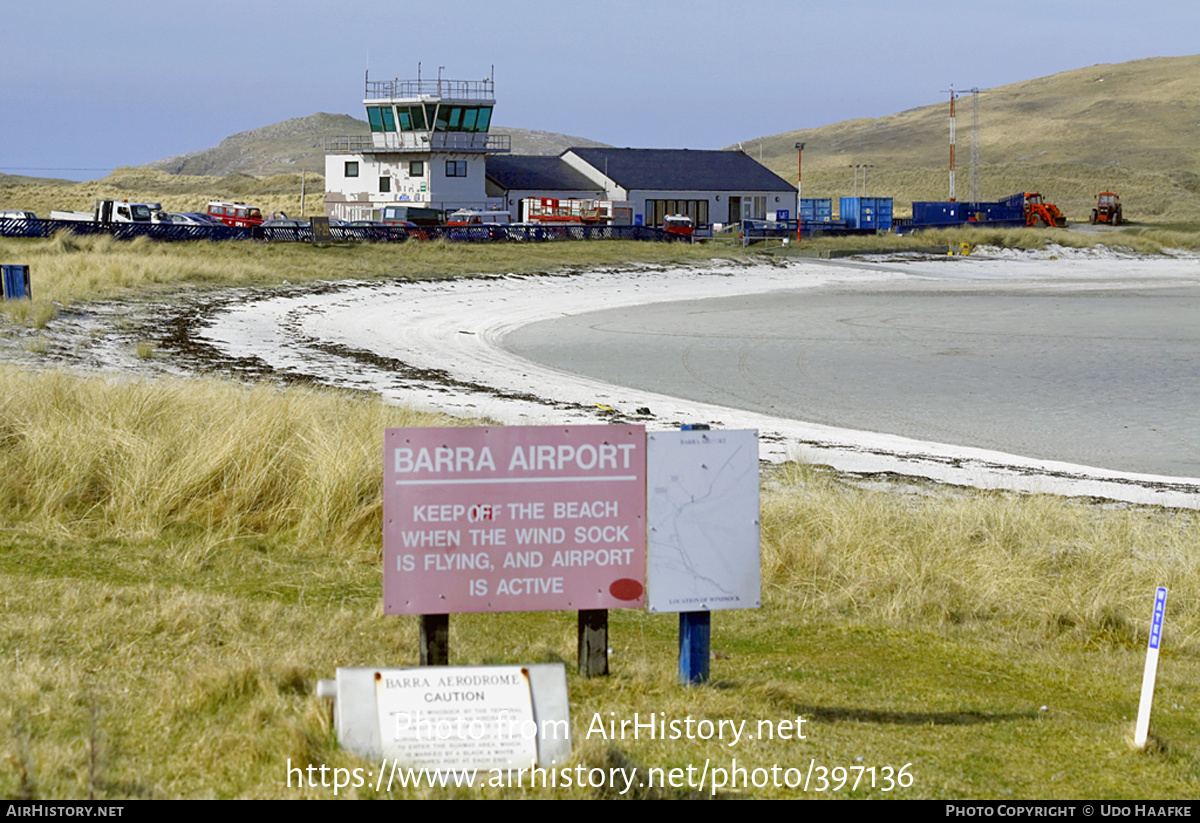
point(430, 146)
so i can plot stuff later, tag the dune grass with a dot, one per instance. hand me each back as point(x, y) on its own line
point(1135, 240)
point(180, 561)
point(176, 192)
point(69, 269)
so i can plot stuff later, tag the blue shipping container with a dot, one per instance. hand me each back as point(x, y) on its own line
point(1004, 213)
point(866, 212)
point(937, 213)
point(16, 282)
point(816, 209)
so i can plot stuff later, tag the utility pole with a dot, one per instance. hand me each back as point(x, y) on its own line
point(799, 177)
point(864, 167)
point(975, 195)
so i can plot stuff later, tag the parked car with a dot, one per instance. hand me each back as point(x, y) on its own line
point(195, 218)
point(285, 228)
point(19, 223)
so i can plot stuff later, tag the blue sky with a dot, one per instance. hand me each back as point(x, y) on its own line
point(89, 86)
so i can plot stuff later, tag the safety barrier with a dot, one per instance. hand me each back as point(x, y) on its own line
point(302, 234)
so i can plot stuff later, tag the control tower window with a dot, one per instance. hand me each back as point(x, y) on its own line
point(381, 118)
point(412, 118)
point(463, 118)
point(456, 168)
point(485, 116)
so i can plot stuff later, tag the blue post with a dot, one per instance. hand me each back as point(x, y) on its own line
point(695, 629)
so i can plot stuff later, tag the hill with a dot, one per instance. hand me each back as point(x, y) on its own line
point(25, 180)
point(295, 145)
point(177, 192)
point(1129, 126)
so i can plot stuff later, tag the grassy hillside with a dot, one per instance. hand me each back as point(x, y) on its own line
point(299, 144)
point(1130, 126)
point(177, 192)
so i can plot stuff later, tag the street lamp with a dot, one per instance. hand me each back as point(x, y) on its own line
point(799, 176)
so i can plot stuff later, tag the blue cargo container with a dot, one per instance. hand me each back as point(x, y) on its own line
point(866, 212)
point(1002, 213)
point(816, 209)
point(16, 282)
point(1006, 211)
point(938, 214)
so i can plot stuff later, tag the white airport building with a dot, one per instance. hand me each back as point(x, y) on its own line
point(430, 147)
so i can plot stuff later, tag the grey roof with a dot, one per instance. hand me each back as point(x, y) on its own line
point(683, 169)
point(532, 172)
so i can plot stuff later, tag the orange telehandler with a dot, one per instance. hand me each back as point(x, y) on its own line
point(1036, 211)
point(1039, 213)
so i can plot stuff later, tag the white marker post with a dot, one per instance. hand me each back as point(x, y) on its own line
point(1143, 721)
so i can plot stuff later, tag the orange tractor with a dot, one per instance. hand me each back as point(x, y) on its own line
point(1108, 209)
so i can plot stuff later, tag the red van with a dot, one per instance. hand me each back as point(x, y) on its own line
point(235, 214)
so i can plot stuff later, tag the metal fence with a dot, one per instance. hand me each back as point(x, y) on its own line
point(419, 141)
point(766, 230)
point(303, 234)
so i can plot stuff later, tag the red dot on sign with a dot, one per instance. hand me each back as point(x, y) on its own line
point(625, 589)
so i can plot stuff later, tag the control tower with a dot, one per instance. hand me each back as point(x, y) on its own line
point(427, 148)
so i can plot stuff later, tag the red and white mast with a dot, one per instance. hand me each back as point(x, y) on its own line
point(953, 198)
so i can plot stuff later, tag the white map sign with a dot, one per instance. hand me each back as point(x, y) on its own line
point(702, 513)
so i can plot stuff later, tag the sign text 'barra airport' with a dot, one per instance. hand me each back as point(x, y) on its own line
point(531, 518)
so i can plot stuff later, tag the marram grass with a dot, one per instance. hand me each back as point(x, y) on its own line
point(181, 561)
point(68, 269)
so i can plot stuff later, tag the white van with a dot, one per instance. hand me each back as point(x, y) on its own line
point(470, 217)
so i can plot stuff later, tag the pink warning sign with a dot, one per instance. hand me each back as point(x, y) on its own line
point(524, 518)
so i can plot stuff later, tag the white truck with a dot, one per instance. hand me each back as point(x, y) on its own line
point(116, 211)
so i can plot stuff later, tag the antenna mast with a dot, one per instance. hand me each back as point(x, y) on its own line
point(953, 198)
point(975, 196)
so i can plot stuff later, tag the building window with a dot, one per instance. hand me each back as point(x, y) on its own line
point(381, 118)
point(351, 168)
point(657, 210)
point(461, 118)
point(416, 168)
point(385, 185)
point(456, 168)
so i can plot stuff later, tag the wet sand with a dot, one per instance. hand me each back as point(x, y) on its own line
point(1106, 377)
point(1065, 372)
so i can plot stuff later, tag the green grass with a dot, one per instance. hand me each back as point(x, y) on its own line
point(181, 561)
point(68, 269)
point(1184, 236)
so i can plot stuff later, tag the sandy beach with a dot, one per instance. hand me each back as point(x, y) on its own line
point(1069, 372)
